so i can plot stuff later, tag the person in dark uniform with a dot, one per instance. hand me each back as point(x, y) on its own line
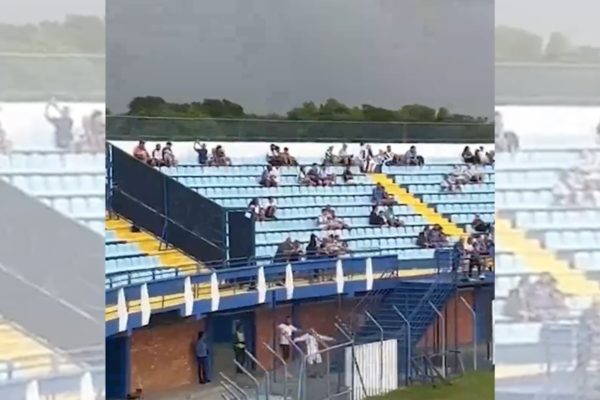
point(239, 346)
point(202, 359)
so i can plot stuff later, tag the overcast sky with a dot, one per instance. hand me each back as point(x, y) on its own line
point(576, 18)
point(271, 55)
point(33, 11)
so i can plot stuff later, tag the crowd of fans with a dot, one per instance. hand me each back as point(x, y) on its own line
point(461, 175)
point(161, 156)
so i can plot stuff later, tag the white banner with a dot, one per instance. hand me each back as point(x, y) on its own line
point(377, 365)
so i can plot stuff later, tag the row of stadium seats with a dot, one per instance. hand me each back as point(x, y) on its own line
point(59, 184)
point(569, 219)
point(51, 163)
point(242, 181)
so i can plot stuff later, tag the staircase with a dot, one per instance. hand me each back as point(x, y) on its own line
point(412, 299)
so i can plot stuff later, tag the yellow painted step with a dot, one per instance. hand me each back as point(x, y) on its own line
point(32, 357)
point(405, 197)
point(150, 244)
point(539, 259)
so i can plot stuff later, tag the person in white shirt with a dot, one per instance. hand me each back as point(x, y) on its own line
point(286, 331)
point(312, 340)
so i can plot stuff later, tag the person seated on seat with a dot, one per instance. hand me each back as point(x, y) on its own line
point(312, 248)
point(314, 175)
point(287, 158)
point(376, 217)
point(326, 177)
point(200, 149)
point(479, 225)
point(450, 183)
point(168, 157)
point(347, 175)
point(437, 237)
point(255, 210)
point(389, 157)
point(270, 208)
point(156, 157)
point(412, 157)
point(219, 158)
point(380, 196)
point(329, 158)
point(328, 220)
point(423, 239)
point(140, 152)
point(274, 156)
point(391, 218)
point(269, 177)
point(467, 156)
point(303, 178)
point(343, 157)
point(285, 251)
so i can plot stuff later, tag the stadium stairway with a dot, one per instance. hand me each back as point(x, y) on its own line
point(150, 245)
point(405, 197)
point(412, 299)
point(570, 281)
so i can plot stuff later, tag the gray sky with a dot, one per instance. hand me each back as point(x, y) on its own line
point(271, 55)
point(33, 11)
point(576, 18)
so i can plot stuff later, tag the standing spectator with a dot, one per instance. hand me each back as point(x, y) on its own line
point(140, 152)
point(202, 152)
point(63, 124)
point(329, 158)
point(286, 331)
point(239, 347)
point(168, 157)
point(202, 359)
point(270, 208)
point(312, 340)
point(343, 157)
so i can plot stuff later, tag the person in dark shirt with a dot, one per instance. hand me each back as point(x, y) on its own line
point(202, 152)
point(376, 218)
point(202, 359)
point(347, 176)
point(312, 248)
point(479, 225)
point(63, 125)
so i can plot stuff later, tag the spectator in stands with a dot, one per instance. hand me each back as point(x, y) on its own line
point(376, 217)
point(297, 252)
point(255, 210)
point(5, 144)
point(285, 251)
point(141, 153)
point(333, 246)
point(547, 302)
point(563, 192)
point(329, 158)
point(391, 218)
point(412, 157)
point(156, 157)
point(328, 220)
point(517, 304)
point(303, 178)
point(168, 157)
point(94, 132)
point(326, 177)
point(286, 332)
point(450, 183)
point(380, 196)
point(437, 237)
point(287, 158)
point(314, 175)
point(63, 124)
point(467, 156)
point(269, 177)
point(347, 175)
point(312, 248)
point(202, 152)
point(270, 208)
point(274, 156)
point(479, 225)
point(423, 239)
point(366, 158)
point(239, 347)
point(219, 158)
point(202, 357)
point(343, 157)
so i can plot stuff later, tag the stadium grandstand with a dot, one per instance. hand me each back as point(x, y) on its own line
point(52, 208)
point(547, 288)
point(380, 262)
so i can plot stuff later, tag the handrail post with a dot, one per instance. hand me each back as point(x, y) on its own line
point(234, 385)
point(249, 375)
point(474, 331)
point(267, 374)
point(443, 320)
point(285, 370)
point(409, 344)
point(368, 314)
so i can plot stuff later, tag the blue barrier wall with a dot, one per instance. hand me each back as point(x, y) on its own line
point(168, 209)
point(241, 237)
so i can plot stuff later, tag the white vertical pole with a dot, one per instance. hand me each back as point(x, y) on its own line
point(443, 337)
point(474, 331)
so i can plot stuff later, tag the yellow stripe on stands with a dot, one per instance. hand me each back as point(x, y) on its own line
point(403, 196)
point(202, 292)
point(31, 357)
point(150, 244)
point(539, 259)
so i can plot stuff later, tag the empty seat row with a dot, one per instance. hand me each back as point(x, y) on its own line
point(470, 188)
point(132, 276)
point(588, 260)
point(523, 199)
point(122, 250)
point(76, 206)
point(527, 177)
point(428, 179)
point(558, 219)
point(124, 264)
point(284, 191)
point(18, 162)
point(226, 181)
point(60, 184)
point(449, 198)
point(466, 208)
point(571, 240)
point(240, 171)
point(299, 201)
point(539, 158)
point(468, 218)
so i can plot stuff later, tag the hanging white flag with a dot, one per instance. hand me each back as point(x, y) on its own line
point(289, 282)
point(261, 285)
point(214, 292)
point(145, 306)
point(188, 295)
point(122, 311)
point(369, 273)
point(339, 276)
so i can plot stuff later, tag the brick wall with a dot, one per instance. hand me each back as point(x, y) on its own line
point(162, 356)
